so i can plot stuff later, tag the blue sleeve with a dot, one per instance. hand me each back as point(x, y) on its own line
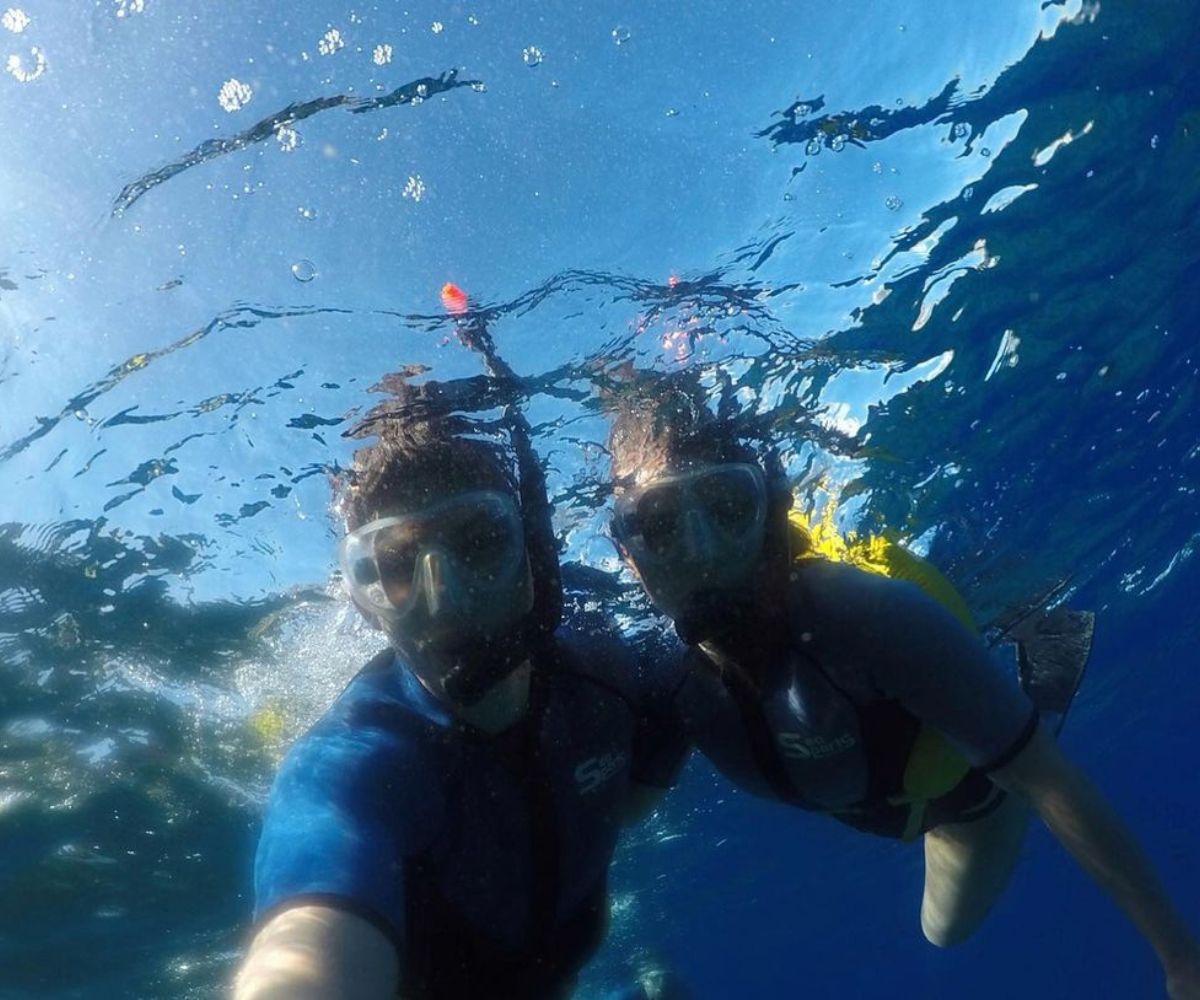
point(661, 742)
point(328, 836)
point(918, 653)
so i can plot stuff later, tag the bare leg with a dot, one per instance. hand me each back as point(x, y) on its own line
point(967, 866)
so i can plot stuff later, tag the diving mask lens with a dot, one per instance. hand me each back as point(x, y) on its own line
point(659, 518)
point(477, 538)
point(729, 500)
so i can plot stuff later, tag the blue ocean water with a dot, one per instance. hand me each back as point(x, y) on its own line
point(948, 253)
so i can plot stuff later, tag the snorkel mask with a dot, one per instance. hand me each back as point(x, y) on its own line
point(696, 539)
point(450, 584)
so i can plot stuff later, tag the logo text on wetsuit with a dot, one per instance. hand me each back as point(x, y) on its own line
point(802, 746)
point(595, 771)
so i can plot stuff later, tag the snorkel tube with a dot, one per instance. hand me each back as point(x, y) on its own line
point(465, 679)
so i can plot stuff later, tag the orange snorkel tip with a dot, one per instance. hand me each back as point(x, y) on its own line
point(454, 299)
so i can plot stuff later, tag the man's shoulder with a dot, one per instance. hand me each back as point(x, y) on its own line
point(375, 722)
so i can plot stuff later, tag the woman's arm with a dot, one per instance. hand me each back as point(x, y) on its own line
point(1078, 815)
point(317, 953)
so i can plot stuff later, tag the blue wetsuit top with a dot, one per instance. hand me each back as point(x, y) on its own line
point(872, 659)
point(482, 858)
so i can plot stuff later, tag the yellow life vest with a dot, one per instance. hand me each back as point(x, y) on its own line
point(934, 767)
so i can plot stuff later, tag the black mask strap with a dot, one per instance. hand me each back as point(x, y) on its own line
point(536, 511)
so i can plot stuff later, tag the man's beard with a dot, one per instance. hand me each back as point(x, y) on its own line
point(465, 671)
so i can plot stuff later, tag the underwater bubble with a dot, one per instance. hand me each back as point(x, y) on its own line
point(985, 151)
point(532, 55)
point(472, 20)
point(960, 130)
point(304, 270)
point(812, 147)
point(307, 214)
point(893, 203)
point(414, 189)
point(672, 112)
point(802, 110)
point(331, 42)
point(877, 167)
point(234, 95)
point(382, 54)
point(288, 138)
point(437, 27)
point(15, 20)
point(27, 74)
point(621, 34)
point(127, 7)
point(837, 143)
point(1154, 142)
point(479, 87)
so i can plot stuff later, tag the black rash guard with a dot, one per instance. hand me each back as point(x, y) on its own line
point(860, 643)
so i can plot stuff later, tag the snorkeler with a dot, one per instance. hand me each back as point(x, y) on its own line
point(445, 830)
point(848, 692)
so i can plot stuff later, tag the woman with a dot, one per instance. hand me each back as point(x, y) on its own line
point(847, 692)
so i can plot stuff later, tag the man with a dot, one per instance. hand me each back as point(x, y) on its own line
point(445, 830)
point(846, 692)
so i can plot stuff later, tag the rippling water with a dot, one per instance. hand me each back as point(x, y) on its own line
point(949, 254)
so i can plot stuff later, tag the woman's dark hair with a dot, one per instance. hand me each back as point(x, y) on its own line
point(661, 420)
point(658, 420)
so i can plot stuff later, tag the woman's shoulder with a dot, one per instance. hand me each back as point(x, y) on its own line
point(840, 591)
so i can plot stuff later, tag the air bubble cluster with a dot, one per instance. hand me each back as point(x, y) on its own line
point(23, 73)
point(330, 42)
point(414, 189)
point(532, 55)
point(234, 95)
point(288, 138)
point(15, 20)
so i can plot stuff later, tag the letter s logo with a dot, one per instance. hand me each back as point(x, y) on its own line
point(595, 771)
point(793, 745)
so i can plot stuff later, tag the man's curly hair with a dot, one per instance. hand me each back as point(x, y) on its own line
point(421, 451)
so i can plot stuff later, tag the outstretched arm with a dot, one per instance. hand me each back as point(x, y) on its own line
point(317, 952)
point(1078, 815)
